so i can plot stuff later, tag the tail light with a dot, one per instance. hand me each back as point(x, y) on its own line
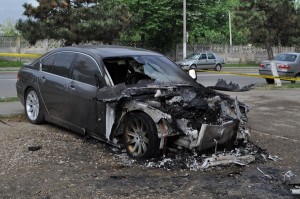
point(261, 65)
point(284, 66)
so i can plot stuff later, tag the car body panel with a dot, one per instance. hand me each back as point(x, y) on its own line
point(292, 71)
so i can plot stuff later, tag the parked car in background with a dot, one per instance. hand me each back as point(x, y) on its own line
point(128, 97)
point(288, 65)
point(205, 60)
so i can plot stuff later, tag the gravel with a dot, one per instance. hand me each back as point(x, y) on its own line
point(46, 161)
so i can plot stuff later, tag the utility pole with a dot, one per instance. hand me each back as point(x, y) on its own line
point(184, 29)
point(230, 33)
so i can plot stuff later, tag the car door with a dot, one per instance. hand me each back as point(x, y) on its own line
point(86, 112)
point(211, 61)
point(52, 81)
point(202, 61)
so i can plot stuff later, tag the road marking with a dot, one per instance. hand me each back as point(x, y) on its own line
point(213, 75)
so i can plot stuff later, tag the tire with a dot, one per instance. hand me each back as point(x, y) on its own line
point(33, 107)
point(140, 136)
point(270, 81)
point(218, 67)
point(193, 67)
point(297, 76)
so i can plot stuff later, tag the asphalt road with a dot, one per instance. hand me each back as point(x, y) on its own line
point(7, 84)
point(209, 78)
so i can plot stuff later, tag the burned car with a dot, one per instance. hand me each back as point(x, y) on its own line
point(130, 98)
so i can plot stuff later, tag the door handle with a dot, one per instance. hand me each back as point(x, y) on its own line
point(71, 87)
point(42, 79)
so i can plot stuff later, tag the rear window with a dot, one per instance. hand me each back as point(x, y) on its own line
point(286, 57)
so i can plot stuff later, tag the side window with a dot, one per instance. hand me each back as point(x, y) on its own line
point(210, 56)
point(203, 56)
point(85, 69)
point(47, 64)
point(62, 64)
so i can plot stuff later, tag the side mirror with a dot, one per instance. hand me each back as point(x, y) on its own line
point(193, 73)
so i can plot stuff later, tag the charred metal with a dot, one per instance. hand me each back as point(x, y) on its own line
point(193, 118)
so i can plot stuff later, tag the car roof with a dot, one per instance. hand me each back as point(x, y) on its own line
point(105, 51)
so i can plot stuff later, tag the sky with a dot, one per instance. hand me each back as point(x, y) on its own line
point(12, 9)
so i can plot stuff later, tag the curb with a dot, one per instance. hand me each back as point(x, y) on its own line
point(11, 109)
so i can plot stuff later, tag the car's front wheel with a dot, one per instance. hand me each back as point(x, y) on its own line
point(140, 136)
point(33, 108)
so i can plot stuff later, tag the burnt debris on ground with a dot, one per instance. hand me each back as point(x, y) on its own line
point(186, 160)
point(231, 86)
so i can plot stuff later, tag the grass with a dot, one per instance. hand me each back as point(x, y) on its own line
point(5, 63)
point(274, 87)
point(9, 99)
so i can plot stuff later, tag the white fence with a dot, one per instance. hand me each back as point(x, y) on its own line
point(232, 54)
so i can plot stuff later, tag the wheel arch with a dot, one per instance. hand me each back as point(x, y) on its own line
point(119, 130)
point(26, 90)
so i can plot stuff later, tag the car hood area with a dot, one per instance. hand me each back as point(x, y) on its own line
point(186, 62)
point(196, 118)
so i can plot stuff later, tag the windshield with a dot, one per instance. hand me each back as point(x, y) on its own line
point(285, 57)
point(193, 56)
point(147, 69)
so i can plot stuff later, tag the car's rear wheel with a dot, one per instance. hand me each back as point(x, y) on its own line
point(218, 67)
point(297, 76)
point(270, 81)
point(33, 108)
point(140, 136)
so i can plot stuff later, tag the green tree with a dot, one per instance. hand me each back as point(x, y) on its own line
point(8, 28)
point(74, 21)
point(269, 22)
point(208, 21)
point(159, 23)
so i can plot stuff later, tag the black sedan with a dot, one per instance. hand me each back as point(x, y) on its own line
point(130, 98)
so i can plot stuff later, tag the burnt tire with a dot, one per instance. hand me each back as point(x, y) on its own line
point(270, 81)
point(218, 67)
point(33, 107)
point(140, 136)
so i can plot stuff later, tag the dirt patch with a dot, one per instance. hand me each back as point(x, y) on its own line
point(71, 166)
